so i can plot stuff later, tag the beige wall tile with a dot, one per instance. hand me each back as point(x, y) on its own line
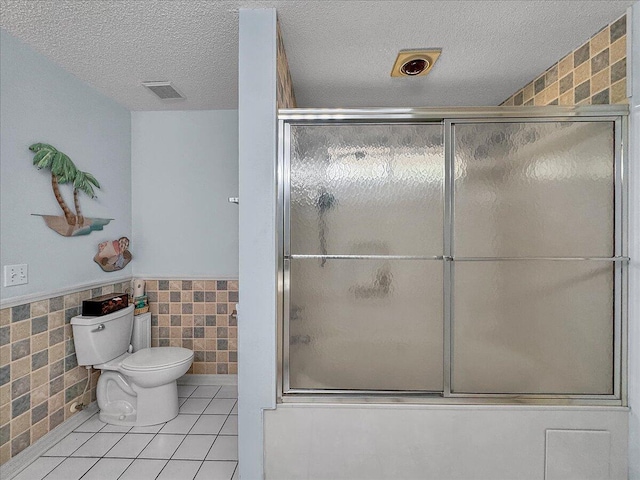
point(600, 80)
point(39, 342)
point(39, 308)
point(56, 353)
point(199, 367)
point(56, 402)
point(599, 41)
point(5, 414)
point(198, 284)
point(186, 296)
point(565, 65)
point(20, 330)
point(40, 429)
point(5, 452)
point(582, 73)
point(5, 317)
point(175, 285)
point(164, 296)
point(618, 50)
point(175, 308)
point(40, 377)
point(5, 394)
point(5, 354)
point(618, 92)
point(528, 92)
point(20, 424)
point(508, 102)
point(233, 368)
point(56, 319)
point(72, 300)
point(39, 395)
point(21, 367)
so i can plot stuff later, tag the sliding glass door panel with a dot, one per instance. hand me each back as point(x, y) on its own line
point(541, 189)
point(533, 327)
point(368, 324)
point(372, 189)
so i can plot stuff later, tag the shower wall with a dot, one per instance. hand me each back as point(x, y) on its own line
point(594, 73)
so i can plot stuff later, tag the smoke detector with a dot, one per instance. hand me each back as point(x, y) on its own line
point(164, 90)
point(415, 63)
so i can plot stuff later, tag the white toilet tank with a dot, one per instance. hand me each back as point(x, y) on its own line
point(100, 339)
point(141, 337)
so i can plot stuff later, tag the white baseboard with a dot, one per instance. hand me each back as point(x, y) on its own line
point(213, 379)
point(34, 451)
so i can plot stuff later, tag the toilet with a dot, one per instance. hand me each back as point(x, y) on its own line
point(134, 389)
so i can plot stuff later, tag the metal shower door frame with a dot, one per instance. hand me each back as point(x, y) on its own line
point(449, 117)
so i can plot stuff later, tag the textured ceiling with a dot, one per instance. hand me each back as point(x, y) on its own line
point(340, 52)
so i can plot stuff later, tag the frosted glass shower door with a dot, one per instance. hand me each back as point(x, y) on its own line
point(533, 244)
point(364, 257)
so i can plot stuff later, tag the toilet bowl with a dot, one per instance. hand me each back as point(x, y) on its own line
point(134, 389)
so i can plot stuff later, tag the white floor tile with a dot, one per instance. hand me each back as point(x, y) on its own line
point(227, 391)
point(180, 470)
point(108, 469)
point(180, 424)
point(194, 405)
point(147, 429)
point(216, 470)
point(230, 426)
point(194, 447)
point(72, 469)
point(130, 445)
point(143, 469)
point(208, 425)
point(38, 469)
point(68, 445)
point(94, 424)
point(115, 429)
point(162, 446)
point(98, 445)
point(186, 390)
point(220, 406)
point(224, 448)
point(205, 391)
point(234, 410)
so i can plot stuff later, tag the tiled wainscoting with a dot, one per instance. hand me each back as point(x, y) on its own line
point(198, 315)
point(594, 73)
point(39, 374)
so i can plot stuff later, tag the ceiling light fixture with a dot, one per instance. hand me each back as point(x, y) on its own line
point(415, 63)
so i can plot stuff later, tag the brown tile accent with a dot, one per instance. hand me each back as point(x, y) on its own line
point(285, 95)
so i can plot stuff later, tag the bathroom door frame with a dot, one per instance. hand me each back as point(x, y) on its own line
point(448, 117)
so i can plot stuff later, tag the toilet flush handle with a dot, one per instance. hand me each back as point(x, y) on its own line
point(100, 327)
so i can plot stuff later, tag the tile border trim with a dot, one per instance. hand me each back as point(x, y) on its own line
point(152, 276)
point(36, 297)
point(34, 451)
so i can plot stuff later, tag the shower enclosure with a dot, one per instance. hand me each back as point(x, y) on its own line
point(453, 255)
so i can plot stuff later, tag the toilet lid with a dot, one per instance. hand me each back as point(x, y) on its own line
point(157, 357)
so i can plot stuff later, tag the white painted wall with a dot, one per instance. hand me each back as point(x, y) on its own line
point(633, 70)
point(257, 312)
point(184, 169)
point(41, 102)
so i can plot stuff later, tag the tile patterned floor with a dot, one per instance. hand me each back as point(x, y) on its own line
point(200, 443)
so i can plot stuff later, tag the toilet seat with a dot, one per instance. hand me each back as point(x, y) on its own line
point(156, 358)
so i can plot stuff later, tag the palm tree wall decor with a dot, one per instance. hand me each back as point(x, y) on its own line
point(64, 171)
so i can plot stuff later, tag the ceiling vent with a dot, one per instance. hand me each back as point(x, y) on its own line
point(415, 63)
point(164, 90)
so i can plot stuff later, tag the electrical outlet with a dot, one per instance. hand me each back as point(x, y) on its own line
point(15, 275)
